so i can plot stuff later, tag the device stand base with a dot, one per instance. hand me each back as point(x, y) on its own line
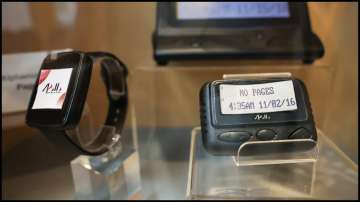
point(119, 180)
point(251, 177)
point(114, 174)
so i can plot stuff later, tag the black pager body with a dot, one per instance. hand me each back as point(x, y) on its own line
point(223, 134)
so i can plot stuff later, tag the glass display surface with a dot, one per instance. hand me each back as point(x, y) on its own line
point(52, 87)
point(164, 150)
point(231, 10)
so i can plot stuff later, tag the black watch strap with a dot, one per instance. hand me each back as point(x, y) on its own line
point(114, 73)
point(60, 140)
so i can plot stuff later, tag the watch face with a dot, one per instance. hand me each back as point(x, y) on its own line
point(60, 91)
point(51, 88)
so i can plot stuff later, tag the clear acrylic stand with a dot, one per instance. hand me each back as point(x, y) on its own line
point(114, 174)
point(271, 176)
point(277, 148)
point(287, 172)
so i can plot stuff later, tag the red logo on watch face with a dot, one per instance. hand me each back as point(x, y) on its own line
point(43, 75)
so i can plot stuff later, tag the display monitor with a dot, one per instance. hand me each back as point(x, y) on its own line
point(234, 30)
point(231, 10)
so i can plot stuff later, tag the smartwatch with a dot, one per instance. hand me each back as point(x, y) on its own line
point(59, 94)
point(236, 111)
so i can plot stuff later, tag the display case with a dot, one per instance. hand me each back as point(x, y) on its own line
point(164, 112)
